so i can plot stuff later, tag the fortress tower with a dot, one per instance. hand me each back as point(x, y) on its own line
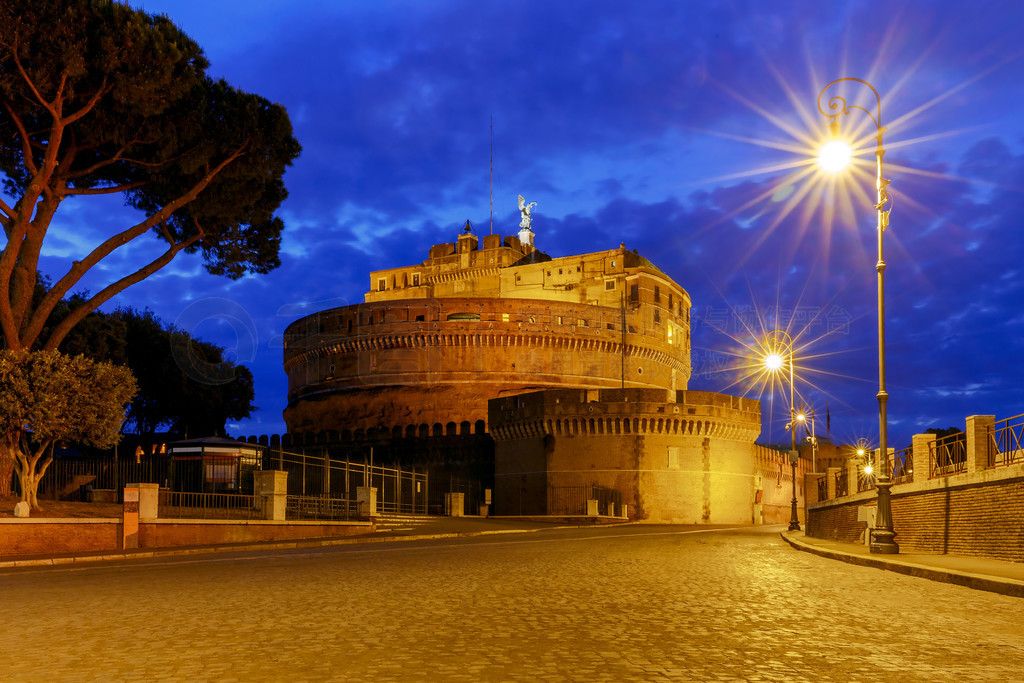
point(433, 342)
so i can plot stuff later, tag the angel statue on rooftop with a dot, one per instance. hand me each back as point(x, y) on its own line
point(524, 208)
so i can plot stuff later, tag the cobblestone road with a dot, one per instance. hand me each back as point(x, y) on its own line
point(627, 603)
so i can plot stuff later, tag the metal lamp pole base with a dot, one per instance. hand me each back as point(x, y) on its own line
point(883, 538)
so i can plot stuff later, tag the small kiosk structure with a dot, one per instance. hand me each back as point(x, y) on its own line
point(213, 464)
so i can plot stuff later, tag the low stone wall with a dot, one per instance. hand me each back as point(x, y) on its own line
point(52, 536)
point(43, 536)
point(978, 514)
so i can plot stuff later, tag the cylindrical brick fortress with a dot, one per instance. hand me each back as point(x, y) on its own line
point(434, 342)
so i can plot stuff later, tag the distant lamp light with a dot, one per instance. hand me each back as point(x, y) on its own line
point(834, 156)
point(868, 469)
point(800, 417)
point(860, 452)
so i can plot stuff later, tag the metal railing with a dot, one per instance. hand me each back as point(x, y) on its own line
point(1005, 442)
point(947, 455)
point(180, 505)
point(823, 488)
point(903, 465)
point(317, 476)
point(572, 500)
point(321, 508)
point(841, 483)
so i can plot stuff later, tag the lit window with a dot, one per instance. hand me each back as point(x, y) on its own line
point(504, 317)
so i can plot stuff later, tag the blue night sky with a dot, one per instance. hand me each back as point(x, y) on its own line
point(686, 130)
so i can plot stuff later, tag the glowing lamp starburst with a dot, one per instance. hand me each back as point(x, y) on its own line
point(834, 156)
point(774, 361)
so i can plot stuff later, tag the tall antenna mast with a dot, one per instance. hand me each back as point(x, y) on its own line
point(492, 174)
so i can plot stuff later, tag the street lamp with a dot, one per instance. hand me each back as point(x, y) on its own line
point(778, 350)
point(802, 416)
point(884, 538)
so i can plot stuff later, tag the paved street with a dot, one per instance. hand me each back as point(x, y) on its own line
point(624, 603)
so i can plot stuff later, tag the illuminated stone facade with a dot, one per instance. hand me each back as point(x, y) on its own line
point(689, 460)
point(481, 319)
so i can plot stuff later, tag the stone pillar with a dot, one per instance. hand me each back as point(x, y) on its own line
point(811, 480)
point(853, 475)
point(624, 511)
point(149, 497)
point(483, 509)
point(456, 504)
point(921, 445)
point(366, 497)
point(271, 492)
point(592, 508)
point(130, 518)
point(979, 441)
point(831, 474)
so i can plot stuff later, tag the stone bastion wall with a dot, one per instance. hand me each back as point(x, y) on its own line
point(689, 460)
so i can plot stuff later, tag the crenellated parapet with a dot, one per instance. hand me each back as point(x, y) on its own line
point(624, 412)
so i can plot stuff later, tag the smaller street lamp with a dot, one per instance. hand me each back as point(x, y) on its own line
point(778, 348)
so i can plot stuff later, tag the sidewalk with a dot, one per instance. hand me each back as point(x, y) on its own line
point(995, 576)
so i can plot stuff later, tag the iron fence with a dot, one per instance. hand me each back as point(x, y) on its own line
point(841, 483)
point(903, 465)
point(188, 505)
point(948, 455)
point(1004, 444)
point(572, 500)
point(321, 508)
point(318, 476)
point(823, 488)
point(98, 477)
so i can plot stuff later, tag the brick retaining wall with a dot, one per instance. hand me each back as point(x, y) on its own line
point(979, 514)
point(69, 536)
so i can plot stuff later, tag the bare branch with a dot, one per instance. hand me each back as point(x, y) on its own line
point(104, 190)
point(88, 106)
point(26, 144)
point(32, 86)
point(107, 247)
point(113, 289)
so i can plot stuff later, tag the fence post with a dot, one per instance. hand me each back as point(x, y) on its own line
point(832, 471)
point(979, 450)
point(853, 475)
point(271, 492)
point(456, 504)
point(366, 496)
point(148, 507)
point(130, 519)
point(920, 444)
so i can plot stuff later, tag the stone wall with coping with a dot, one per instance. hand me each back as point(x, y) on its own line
point(69, 536)
point(978, 512)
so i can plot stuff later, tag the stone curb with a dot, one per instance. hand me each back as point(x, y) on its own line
point(993, 584)
point(269, 545)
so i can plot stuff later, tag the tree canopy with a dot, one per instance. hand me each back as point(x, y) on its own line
point(98, 99)
point(186, 385)
point(47, 396)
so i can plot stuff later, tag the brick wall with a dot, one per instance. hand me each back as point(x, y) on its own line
point(979, 515)
point(42, 536)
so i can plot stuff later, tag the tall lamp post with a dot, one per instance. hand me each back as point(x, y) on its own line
point(779, 349)
point(883, 540)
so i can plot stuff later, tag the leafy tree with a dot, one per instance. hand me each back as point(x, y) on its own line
point(185, 385)
point(97, 98)
point(45, 397)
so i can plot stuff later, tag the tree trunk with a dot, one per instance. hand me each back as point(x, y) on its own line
point(29, 475)
point(6, 468)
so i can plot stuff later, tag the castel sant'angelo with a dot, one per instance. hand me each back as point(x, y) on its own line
point(576, 366)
